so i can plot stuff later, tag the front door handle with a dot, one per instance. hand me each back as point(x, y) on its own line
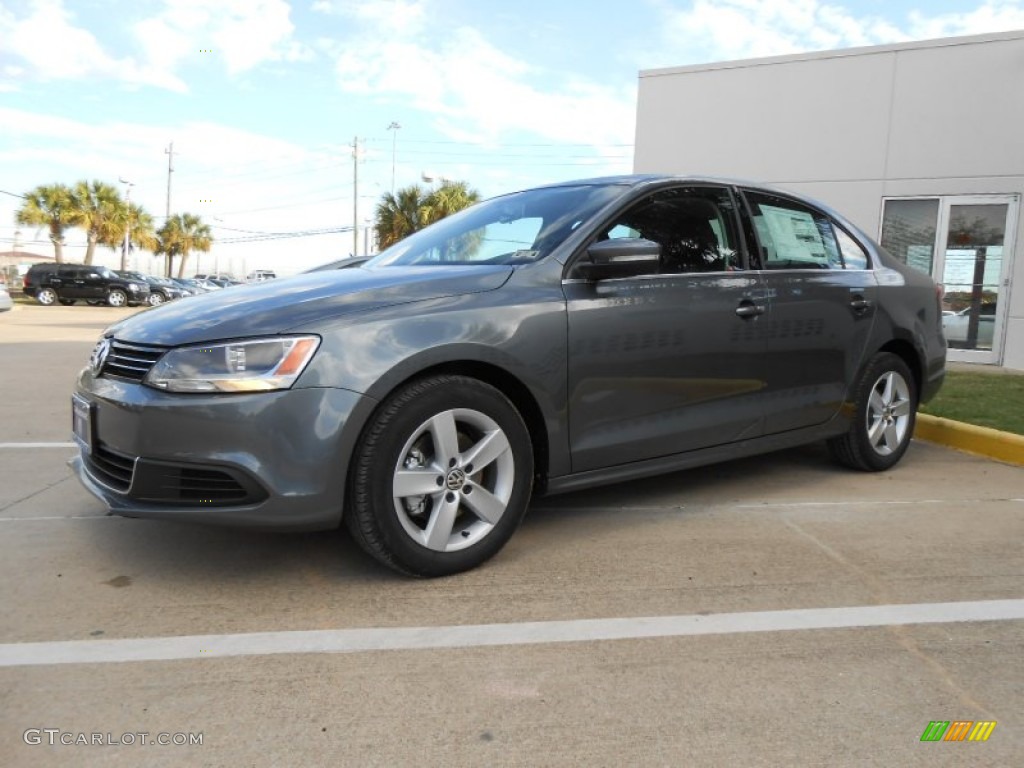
point(860, 304)
point(748, 308)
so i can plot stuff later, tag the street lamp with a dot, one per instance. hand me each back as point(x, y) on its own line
point(127, 222)
point(394, 140)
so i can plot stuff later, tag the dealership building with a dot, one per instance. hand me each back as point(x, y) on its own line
point(919, 144)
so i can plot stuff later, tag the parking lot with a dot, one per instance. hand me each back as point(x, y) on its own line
point(772, 611)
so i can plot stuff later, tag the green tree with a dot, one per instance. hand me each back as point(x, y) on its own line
point(449, 197)
point(413, 208)
point(141, 233)
point(97, 207)
point(179, 236)
point(400, 214)
point(50, 206)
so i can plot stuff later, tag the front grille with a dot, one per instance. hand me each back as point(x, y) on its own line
point(167, 483)
point(111, 468)
point(131, 361)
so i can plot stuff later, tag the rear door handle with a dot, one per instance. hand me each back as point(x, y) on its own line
point(748, 308)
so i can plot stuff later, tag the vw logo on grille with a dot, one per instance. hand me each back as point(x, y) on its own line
point(456, 479)
point(99, 356)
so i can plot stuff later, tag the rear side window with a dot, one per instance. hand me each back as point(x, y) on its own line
point(791, 235)
point(854, 255)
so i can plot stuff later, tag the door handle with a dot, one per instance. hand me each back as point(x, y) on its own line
point(749, 309)
point(860, 304)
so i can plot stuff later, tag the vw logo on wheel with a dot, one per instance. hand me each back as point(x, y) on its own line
point(456, 479)
point(99, 356)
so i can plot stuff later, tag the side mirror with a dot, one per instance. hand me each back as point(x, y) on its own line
point(623, 257)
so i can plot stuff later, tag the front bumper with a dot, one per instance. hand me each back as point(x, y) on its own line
point(262, 460)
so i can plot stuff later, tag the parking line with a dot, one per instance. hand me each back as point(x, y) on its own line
point(486, 635)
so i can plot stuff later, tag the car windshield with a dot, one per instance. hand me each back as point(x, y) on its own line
point(512, 229)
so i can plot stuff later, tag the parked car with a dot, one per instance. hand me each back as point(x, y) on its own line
point(161, 289)
point(191, 287)
point(68, 283)
point(259, 275)
point(554, 339)
point(6, 303)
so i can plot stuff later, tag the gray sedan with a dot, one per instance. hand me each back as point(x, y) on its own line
point(553, 339)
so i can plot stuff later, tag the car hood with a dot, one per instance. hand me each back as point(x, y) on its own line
point(278, 306)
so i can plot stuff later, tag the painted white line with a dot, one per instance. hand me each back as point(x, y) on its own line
point(56, 517)
point(16, 446)
point(483, 635)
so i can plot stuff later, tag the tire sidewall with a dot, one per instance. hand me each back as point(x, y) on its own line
point(373, 489)
point(117, 292)
point(47, 297)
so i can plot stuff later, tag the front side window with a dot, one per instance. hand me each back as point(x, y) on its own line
point(695, 227)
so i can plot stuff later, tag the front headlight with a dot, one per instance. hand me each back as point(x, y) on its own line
point(257, 365)
point(134, 287)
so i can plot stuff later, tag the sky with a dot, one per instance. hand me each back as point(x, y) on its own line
point(264, 100)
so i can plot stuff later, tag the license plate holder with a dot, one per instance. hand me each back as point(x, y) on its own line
point(82, 422)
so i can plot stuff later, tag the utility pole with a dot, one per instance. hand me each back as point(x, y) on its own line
point(355, 196)
point(394, 142)
point(170, 169)
point(128, 222)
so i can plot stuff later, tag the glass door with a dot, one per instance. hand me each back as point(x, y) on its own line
point(966, 244)
point(972, 263)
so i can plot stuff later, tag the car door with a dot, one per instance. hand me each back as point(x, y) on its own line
point(70, 284)
point(671, 361)
point(822, 300)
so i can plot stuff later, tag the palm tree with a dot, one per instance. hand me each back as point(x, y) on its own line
point(449, 197)
point(97, 207)
point(50, 206)
point(179, 236)
point(400, 214)
point(141, 232)
point(413, 208)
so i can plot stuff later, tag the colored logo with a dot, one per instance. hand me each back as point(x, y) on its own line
point(958, 730)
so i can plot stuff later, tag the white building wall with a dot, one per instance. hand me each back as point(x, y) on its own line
point(941, 117)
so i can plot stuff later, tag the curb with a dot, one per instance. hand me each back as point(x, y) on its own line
point(1004, 446)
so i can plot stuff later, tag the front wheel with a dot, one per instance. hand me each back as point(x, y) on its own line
point(117, 298)
point(442, 477)
point(155, 299)
point(886, 408)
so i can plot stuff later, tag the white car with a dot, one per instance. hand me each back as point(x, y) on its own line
point(5, 298)
point(955, 324)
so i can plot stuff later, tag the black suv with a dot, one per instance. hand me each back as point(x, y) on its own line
point(67, 283)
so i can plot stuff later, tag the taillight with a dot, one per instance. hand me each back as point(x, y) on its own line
point(24, 280)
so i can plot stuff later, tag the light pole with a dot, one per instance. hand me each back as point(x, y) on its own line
point(394, 141)
point(127, 221)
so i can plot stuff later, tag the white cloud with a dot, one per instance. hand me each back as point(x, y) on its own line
point(53, 47)
point(243, 33)
point(718, 30)
point(475, 90)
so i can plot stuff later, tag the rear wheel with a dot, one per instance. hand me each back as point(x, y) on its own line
point(442, 477)
point(117, 298)
point(886, 408)
point(46, 296)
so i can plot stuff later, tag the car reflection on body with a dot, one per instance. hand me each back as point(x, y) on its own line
point(956, 326)
point(553, 339)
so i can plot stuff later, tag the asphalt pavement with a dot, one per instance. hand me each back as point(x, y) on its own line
point(775, 611)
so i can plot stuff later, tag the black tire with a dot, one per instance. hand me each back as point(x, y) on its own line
point(155, 299)
point(46, 296)
point(429, 433)
point(67, 302)
point(883, 424)
point(117, 298)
